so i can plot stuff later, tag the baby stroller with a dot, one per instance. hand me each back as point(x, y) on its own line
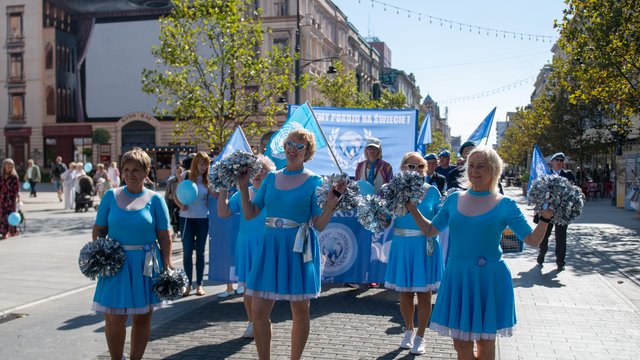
point(84, 195)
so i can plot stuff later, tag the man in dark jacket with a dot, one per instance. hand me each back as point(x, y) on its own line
point(432, 177)
point(453, 180)
point(557, 162)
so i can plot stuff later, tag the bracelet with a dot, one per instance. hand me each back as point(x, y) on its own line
point(337, 193)
point(544, 219)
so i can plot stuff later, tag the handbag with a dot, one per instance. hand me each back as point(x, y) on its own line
point(510, 242)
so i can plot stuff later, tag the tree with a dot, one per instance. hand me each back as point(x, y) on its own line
point(437, 143)
point(210, 75)
point(100, 136)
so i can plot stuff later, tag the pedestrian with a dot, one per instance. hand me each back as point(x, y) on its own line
point(444, 163)
point(476, 300)
point(32, 175)
point(68, 185)
point(415, 266)
point(432, 177)
point(169, 194)
point(56, 172)
point(373, 169)
point(287, 261)
point(454, 179)
point(250, 234)
point(194, 217)
point(113, 175)
point(100, 179)
point(557, 164)
point(138, 219)
point(9, 197)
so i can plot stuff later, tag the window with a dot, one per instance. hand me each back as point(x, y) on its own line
point(15, 26)
point(16, 111)
point(48, 59)
point(51, 101)
point(281, 43)
point(282, 8)
point(15, 67)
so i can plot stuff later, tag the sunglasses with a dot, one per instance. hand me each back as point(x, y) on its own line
point(561, 160)
point(297, 145)
point(414, 166)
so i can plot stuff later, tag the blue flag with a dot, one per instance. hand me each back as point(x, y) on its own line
point(538, 166)
point(424, 138)
point(302, 118)
point(482, 131)
point(237, 141)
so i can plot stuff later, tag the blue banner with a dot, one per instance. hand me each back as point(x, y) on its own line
point(237, 141)
point(424, 138)
point(347, 131)
point(222, 245)
point(482, 131)
point(539, 166)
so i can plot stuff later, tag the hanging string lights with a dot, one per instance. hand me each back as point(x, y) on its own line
point(481, 30)
point(487, 93)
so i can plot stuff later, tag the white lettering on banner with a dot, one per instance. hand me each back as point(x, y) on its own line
point(394, 119)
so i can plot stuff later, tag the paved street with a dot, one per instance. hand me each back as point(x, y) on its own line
point(589, 311)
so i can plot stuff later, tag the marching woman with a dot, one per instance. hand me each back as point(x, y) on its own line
point(250, 234)
point(415, 263)
point(287, 261)
point(475, 300)
point(135, 217)
point(194, 221)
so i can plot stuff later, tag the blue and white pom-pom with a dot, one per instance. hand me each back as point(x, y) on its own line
point(405, 186)
point(103, 257)
point(372, 213)
point(558, 194)
point(224, 173)
point(170, 284)
point(350, 198)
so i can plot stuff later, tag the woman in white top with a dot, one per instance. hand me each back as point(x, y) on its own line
point(68, 185)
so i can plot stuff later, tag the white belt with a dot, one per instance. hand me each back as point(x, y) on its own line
point(302, 243)
point(407, 232)
point(151, 263)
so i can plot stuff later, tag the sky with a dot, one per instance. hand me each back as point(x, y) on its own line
point(451, 63)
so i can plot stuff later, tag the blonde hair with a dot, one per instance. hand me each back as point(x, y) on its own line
point(493, 160)
point(305, 135)
point(266, 162)
point(13, 168)
point(138, 157)
point(413, 154)
point(193, 172)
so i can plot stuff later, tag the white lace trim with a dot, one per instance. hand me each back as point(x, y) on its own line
point(127, 311)
point(467, 336)
point(273, 296)
point(430, 287)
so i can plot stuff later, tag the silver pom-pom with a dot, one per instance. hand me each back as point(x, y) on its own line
point(405, 186)
point(103, 257)
point(170, 284)
point(224, 173)
point(372, 213)
point(350, 198)
point(558, 194)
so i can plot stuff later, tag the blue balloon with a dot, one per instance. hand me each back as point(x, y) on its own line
point(14, 218)
point(365, 188)
point(26, 185)
point(187, 192)
point(88, 167)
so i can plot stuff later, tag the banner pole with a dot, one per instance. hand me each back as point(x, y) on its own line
point(325, 138)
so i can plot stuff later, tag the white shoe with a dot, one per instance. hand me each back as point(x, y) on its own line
point(240, 290)
point(418, 346)
point(224, 294)
point(248, 332)
point(407, 340)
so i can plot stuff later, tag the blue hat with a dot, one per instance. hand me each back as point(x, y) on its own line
point(558, 155)
point(430, 156)
point(444, 153)
point(467, 144)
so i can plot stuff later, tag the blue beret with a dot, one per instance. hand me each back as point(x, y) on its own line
point(430, 156)
point(558, 155)
point(445, 153)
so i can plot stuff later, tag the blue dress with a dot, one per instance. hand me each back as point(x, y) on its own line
point(129, 291)
point(475, 300)
point(409, 268)
point(248, 240)
point(279, 273)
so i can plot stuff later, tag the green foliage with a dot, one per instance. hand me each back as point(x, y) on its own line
point(437, 143)
point(100, 136)
point(210, 75)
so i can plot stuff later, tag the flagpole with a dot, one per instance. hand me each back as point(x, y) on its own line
point(325, 138)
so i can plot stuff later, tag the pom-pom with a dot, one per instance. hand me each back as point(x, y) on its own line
point(170, 284)
point(405, 186)
point(558, 194)
point(102, 257)
point(224, 173)
point(372, 213)
point(350, 198)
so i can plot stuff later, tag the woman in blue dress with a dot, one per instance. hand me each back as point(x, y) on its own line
point(287, 262)
point(135, 217)
point(475, 300)
point(415, 263)
point(250, 234)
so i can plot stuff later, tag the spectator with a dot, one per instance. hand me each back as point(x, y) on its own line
point(56, 172)
point(169, 194)
point(32, 176)
point(374, 170)
point(9, 197)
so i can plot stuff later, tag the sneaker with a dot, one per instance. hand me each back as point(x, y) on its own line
point(224, 294)
point(240, 290)
point(248, 332)
point(407, 340)
point(352, 285)
point(418, 346)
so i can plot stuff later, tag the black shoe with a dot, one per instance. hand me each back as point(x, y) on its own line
point(539, 261)
point(560, 268)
